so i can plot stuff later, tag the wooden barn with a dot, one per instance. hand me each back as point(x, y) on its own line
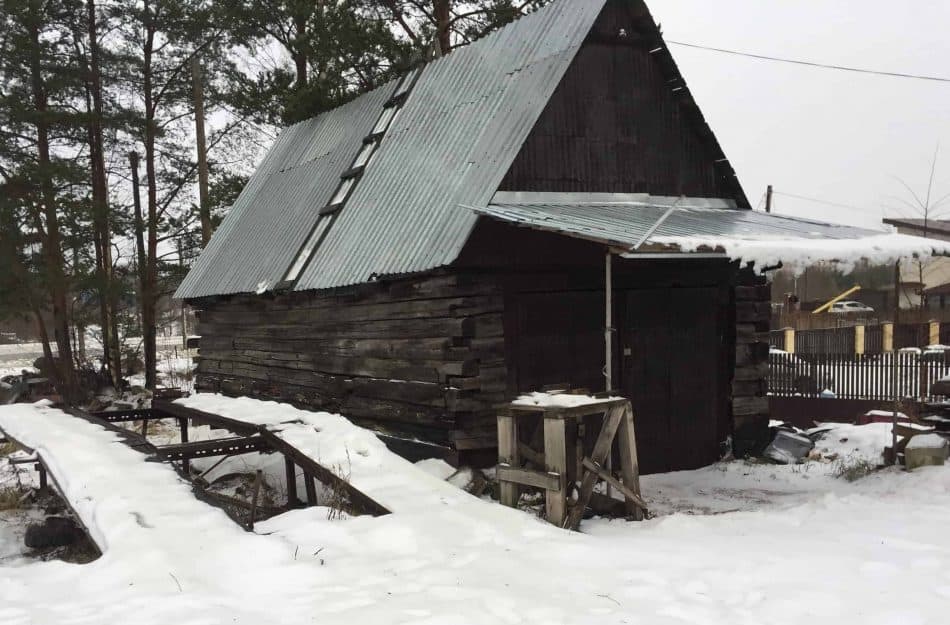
point(474, 229)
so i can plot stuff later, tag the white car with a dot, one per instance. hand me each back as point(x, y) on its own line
point(849, 306)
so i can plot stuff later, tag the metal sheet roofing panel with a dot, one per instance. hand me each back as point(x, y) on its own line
point(624, 222)
point(258, 239)
point(451, 144)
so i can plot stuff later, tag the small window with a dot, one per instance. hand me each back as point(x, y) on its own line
point(342, 192)
point(307, 250)
point(389, 114)
point(366, 153)
point(407, 81)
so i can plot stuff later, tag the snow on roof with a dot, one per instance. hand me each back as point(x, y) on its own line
point(703, 225)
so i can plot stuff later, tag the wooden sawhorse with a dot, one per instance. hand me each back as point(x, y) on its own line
point(562, 464)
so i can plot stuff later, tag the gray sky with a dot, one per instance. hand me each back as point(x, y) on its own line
point(837, 136)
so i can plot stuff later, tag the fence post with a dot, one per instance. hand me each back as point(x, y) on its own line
point(934, 332)
point(859, 339)
point(790, 340)
point(887, 336)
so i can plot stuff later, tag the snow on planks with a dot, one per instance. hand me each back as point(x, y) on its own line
point(352, 453)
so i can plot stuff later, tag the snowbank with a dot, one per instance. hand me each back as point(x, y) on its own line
point(786, 545)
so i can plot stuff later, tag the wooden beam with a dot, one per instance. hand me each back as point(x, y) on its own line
point(610, 479)
point(357, 501)
point(599, 455)
point(508, 455)
point(527, 477)
point(555, 461)
point(291, 472)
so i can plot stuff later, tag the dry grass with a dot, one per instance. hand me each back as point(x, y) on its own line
point(852, 469)
point(7, 448)
point(10, 499)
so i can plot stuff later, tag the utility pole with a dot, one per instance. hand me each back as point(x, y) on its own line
point(203, 209)
point(768, 199)
point(894, 355)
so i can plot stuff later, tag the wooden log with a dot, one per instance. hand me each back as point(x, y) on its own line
point(290, 470)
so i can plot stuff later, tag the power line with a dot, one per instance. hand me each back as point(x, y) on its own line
point(820, 201)
point(809, 63)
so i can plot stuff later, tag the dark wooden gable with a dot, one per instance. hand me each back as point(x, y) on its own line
point(623, 121)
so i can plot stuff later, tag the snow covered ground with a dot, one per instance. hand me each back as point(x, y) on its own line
point(734, 543)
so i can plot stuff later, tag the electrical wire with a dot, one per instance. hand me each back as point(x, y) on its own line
point(819, 201)
point(844, 68)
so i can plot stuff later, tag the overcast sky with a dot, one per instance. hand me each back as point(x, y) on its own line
point(836, 136)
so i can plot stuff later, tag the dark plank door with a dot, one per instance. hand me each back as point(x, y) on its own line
point(558, 338)
point(672, 346)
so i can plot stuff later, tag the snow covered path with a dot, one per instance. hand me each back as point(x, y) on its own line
point(805, 548)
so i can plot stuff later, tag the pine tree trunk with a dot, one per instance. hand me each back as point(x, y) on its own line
point(149, 292)
point(62, 368)
point(100, 198)
point(443, 15)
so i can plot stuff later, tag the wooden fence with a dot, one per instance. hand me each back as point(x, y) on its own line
point(857, 376)
point(860, 339)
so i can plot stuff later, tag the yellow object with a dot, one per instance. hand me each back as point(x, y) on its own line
point(831, 302)
point(887, 336)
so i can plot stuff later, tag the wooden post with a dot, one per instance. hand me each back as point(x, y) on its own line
point(311, 489)
point(42, 472)
point(887, 336)
point(859, 339)
point(934, 332)
point(183, 428)
point(629, 465)
point(291, 471)
point(768, 199)
point(508, 454)
point(257, 492)
point(555, 461)
point(790, 340)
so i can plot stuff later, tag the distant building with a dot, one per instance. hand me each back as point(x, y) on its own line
point(930, 278)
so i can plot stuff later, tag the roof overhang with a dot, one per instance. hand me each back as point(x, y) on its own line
point(634, 225)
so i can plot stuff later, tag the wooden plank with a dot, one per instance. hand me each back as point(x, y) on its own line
point(527, 477)
point(629, 465)
point(555, 461)
point(358, 502)
point(599, 455)
point(632, 497)
point(508, 455)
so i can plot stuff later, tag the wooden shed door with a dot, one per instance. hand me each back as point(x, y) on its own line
point(671, 370)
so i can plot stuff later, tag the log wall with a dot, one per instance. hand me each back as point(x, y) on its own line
point(421, 358)
point(750, 403)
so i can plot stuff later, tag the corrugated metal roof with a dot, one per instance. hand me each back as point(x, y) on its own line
point(257, 241)
point(451, 144)
point(623, 220)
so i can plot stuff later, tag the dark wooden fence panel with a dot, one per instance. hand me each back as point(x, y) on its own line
point(911, 335)
point(777, 339)
point(827, 341)
point(873, 339)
